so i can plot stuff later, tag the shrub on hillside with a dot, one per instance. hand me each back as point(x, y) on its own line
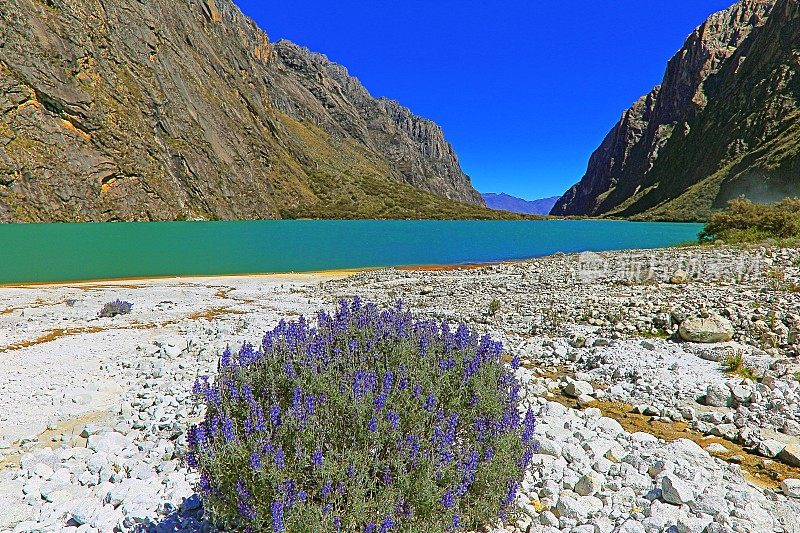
point(369, 422)
point(744, 221)
point(117, 307)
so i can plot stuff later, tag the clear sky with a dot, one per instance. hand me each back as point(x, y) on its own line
point(524, 89)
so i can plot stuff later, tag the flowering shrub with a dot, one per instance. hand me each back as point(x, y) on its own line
point(369, 422)
point(117, 307)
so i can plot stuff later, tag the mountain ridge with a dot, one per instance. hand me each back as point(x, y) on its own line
point(647, 169)
point(184, 109)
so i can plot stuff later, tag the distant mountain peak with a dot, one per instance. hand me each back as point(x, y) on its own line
point(506, 202)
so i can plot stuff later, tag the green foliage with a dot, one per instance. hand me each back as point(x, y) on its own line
point(745, 222)
point(369, 421)
point(734, 364)
point(494, 307)
point(659, 334)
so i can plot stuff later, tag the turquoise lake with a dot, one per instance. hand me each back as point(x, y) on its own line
point(68, 252)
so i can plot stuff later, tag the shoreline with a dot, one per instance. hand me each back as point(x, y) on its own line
point(336, 272)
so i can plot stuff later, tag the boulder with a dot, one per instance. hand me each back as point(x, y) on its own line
point(676, 491)
point(713, 328)
point(679, 277)
point(576, 389)
point(791, 453)
point(791, 488)
point(718, 395)
point(770, 448)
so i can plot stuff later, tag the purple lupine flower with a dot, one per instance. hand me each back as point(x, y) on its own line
point(488, 455)
point(373, 424)
point(387, 524)
point(511, 494)
point(379, 402)
point(255, 461)
point(277, 516)
point(388, 381)
point(245, 509)
point(226, 359)
point(280, 459)
point(529, 427)
point(302, 496)
point(456, 521)
point(227, 429)
point(327, 489)
point(337, 523)
point(275, 415)
point(417, 391)
point(327, 508)
point(370, 528)
point(448, 500)
point(430, 403)
point(515, 362)
point(191, 460)
point(317, 458)
point(205, 484)
point(393, 418)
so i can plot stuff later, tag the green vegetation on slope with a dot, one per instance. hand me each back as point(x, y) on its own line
point(745, 222)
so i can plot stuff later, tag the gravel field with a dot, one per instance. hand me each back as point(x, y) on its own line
point(698, 346)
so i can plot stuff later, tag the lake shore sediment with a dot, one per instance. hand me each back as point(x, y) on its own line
point(96, 412)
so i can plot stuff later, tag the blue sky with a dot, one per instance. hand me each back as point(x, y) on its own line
point(524, 89)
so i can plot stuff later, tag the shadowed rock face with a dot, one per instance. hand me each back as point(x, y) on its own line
point(169, 109)
point(694, 141)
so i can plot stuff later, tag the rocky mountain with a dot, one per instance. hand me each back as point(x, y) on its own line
point(724, 122)
point(172, 109)
point(506, 202)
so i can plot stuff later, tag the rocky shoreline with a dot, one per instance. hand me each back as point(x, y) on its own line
point(94, 436)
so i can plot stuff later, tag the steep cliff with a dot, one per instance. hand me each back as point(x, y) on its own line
point(686, 147)
point(170, 109)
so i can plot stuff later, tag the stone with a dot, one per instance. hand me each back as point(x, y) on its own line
point(791, 487)
point(86, 510)
point(791, 428)
point(13, 512)
point(770, 448)
point(718, 395)
point(716, 448)
point(576, 389)
point(43, 471)
point(679, 277)
point(711, 329)
point(111, 443)
point(676, 491)
point(791, 453)
point(589, 484)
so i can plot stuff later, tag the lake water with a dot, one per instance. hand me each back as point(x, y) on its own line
point(68, 252)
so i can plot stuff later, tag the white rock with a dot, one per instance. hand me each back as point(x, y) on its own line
point(712, 329)
point(770, 448)
point(111, 443)
point(576, 389)
point(791, 487)
point(590, 484)
point(718, 395)
point(12, 512)
point(676, 491)
point(791, 453)
point(86, 510)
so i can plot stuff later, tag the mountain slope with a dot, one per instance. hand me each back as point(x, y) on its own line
point(169, 109)
point(722, 123)
point(506, 202)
